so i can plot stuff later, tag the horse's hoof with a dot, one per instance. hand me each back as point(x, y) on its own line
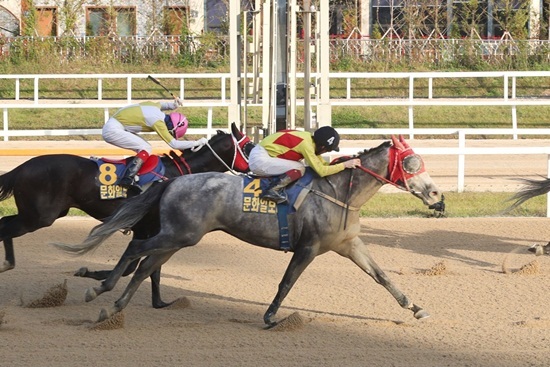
point(103, 315)
point(421, 314)
point(81, 272)
point(6, 266)
point(90, 294)
point(270, 325)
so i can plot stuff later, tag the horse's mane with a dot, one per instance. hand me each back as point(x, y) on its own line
point(385, 145)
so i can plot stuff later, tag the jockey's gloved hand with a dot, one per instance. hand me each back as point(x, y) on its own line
point(178, 101)
point(352, 163)
point(201, 142)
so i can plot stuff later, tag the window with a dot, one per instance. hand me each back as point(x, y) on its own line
point(176, 20)
point(104, 21)
point(9, 23)
point(46, 21)
point(126, 22)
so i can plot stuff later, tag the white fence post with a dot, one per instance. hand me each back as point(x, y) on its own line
point(410, 109)
point(17, 89)
point(100, 89)
point(548, 194)
point(209, 122)
point(36, 90)
point(223, 81)
point(129, 89)
point(5, 123)
point(461, 160)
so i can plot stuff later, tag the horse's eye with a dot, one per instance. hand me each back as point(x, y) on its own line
point(412, 164)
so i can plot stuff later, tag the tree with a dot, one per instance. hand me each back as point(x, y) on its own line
point(512, 16)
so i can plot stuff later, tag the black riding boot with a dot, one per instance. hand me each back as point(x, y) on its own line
point(273, 191)
point(131, 171)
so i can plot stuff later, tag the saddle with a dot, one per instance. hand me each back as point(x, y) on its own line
point(110, 170)
point(295, 193)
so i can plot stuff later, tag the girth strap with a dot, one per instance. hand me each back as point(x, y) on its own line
point(331, 199)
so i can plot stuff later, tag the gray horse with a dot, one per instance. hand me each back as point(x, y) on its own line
point(326, 220)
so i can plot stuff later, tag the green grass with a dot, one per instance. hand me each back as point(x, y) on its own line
point(458, 205)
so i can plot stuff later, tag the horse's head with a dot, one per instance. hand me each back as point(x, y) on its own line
point(232, 149)
point(224, 151)
point(406, 169)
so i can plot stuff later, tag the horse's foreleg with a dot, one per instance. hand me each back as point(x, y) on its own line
point(299, 262)
point(147, 268)
point(104, 274)
point(358, 253)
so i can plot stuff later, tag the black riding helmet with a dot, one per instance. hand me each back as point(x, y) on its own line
point(328, 138)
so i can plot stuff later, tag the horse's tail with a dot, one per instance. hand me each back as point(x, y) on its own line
point(531, 189)
point(125, 217)
point(7, 184)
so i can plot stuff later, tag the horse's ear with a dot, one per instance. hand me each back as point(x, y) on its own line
point(402, 140)
point(235, 131)
point(396, 143)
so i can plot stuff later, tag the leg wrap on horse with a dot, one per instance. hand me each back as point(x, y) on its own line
point(273, 191)
point(132, 168)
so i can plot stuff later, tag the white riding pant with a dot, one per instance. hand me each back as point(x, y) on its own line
point(262, 164)
point(115, 133)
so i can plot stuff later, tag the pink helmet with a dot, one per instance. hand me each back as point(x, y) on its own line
point(179, 123)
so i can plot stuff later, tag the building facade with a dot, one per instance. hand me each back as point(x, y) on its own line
point(365, 19)
point(107, 17)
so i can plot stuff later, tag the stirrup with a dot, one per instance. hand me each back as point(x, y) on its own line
point(275, 196)
point(127, 181)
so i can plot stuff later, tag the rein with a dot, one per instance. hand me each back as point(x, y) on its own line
point(236, 152)
point(384, 179)
point(399, 152)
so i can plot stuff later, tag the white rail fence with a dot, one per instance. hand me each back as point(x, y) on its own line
point(509, 98)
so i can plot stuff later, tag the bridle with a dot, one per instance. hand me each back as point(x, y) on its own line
point(240, 158)
point(403, 164)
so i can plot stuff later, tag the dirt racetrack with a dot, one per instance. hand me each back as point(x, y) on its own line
point(480, 316)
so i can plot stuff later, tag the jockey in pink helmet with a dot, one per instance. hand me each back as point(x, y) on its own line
point(123, 127)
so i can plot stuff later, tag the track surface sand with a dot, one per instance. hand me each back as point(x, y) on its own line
point(480, 315)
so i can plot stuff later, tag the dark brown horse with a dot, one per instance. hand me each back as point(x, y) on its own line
point(46, 187)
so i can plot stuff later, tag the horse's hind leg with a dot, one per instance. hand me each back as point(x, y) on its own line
point(114, 275)
point(17, 225)
point(149, 266)
point(6, 236)
point(156, 299)
point(104, 274)
point(11, 226)
point(155, 290)
point(9, 262)
point(358, 253)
